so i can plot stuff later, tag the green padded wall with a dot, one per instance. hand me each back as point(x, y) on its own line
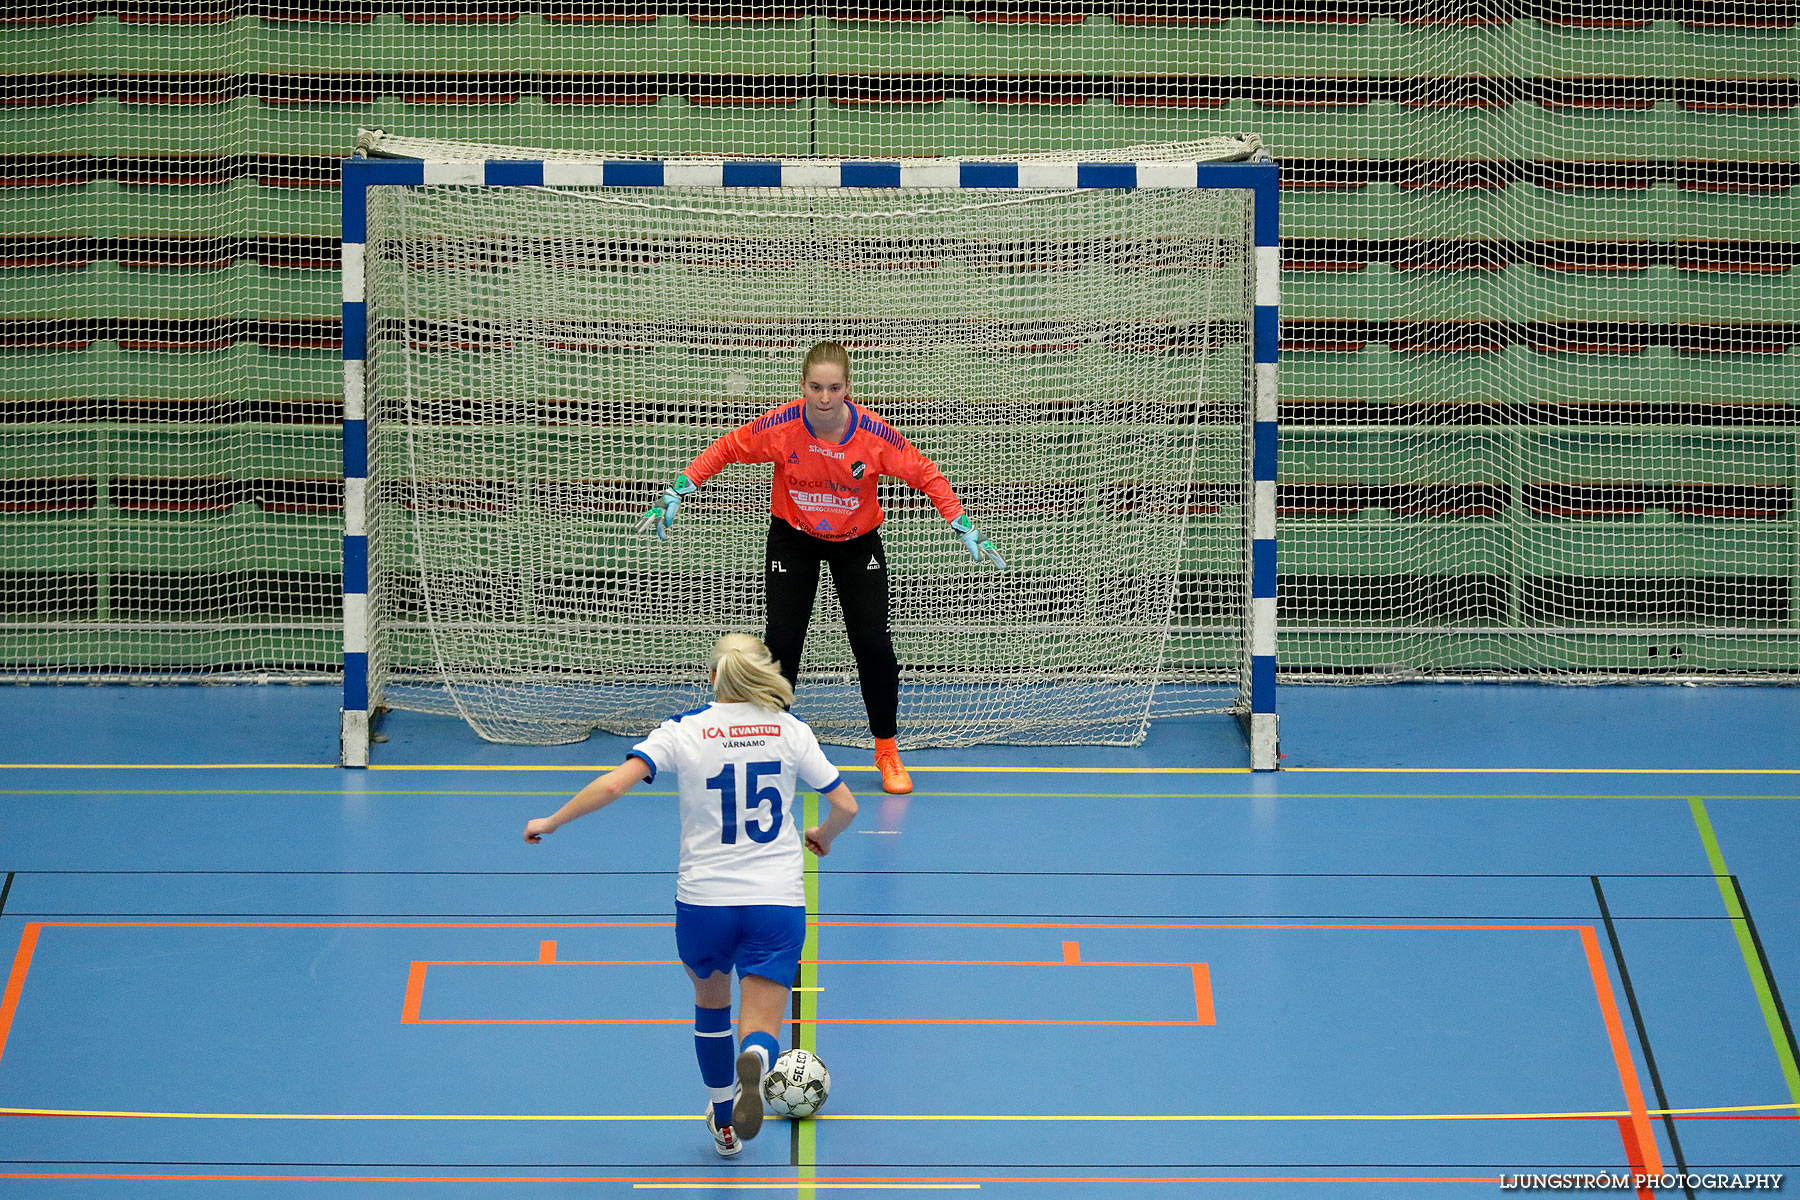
point(1538, 374)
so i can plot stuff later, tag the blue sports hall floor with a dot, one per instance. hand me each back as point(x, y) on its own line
point(1467, 936)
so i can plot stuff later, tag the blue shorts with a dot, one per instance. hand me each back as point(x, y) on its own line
point(757, 939)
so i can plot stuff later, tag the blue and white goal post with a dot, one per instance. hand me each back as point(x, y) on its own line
point(1256, 709)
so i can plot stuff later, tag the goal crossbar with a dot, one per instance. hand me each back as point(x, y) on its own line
point(1257, 178)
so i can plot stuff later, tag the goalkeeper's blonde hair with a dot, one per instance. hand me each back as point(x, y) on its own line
point(744, 672)
point(826, 352)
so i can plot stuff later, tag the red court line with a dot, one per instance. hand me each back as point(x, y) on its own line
point(1323, 925)
point(415, 994)
point(418, 1020)
point(814, 962)
point(1203, 1001)
point(1139, 925)
point(985, 962)
point(1634, 1155)
point(415, 990)
point(359, 923)
point(1009, 1021)
point(15, 982)
point(737, 1182)
point(539, 962)
point(1615, 1034)
point(1611, 1118)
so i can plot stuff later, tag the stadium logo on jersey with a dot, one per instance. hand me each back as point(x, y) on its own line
point(825, 452)
point(857, 468)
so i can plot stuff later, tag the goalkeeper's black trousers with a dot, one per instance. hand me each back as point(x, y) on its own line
point(859, 572)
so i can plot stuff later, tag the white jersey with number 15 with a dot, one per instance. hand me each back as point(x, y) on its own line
point(739, 767)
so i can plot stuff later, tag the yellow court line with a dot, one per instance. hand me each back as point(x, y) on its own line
point(971, 770)
point(490, 793)
point(1177, 1118)
point(1543, 770)
point(589, 768)
point(10, 1111)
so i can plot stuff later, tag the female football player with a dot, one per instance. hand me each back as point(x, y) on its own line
point(829, 454)
point(739, 897)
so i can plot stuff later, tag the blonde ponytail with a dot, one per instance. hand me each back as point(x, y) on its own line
point(744, 672)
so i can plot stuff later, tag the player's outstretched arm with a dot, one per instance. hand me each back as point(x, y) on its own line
point(662, 514)
point(747, 443)
point(920, 473)
point(979, 547)
point(592, 798)
point(843, 811)
point(928, 479)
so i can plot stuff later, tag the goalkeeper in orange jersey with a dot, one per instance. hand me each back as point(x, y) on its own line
point(828, 455)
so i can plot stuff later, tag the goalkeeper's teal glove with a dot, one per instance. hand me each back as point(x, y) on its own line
point(662, 516)
point(979, 547)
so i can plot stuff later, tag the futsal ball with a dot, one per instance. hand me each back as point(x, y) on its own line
point(796, 1086)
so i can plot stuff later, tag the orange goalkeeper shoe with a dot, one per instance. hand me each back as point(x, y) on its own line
point(894, 779)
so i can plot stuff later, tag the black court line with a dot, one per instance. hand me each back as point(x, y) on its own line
point(1768, 970)
point(1385, 915)
point(5, 891)
point(793, 1040)
point(986, 917)
point(1643, 1035)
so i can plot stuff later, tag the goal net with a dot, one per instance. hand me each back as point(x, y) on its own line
point(1540, 367)
point(542, 360)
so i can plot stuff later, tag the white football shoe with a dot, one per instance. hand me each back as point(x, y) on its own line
point(747, 1109)
point(725, 1140)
